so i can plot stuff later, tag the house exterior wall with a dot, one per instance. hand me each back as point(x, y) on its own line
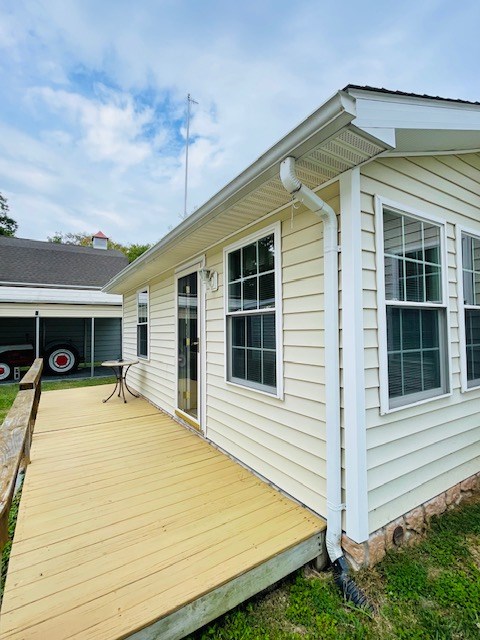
point(415, 453)
point(282, 439)
point(155, 377)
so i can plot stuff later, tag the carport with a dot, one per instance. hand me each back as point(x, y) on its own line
point(35, 321)
point(90, 340)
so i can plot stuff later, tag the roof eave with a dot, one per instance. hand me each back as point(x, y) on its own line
point(332, 116)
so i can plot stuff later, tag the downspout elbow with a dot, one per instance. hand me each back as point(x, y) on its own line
point(303, 194)
point(288, 176)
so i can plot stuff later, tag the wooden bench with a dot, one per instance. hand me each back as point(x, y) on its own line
point(15, 440)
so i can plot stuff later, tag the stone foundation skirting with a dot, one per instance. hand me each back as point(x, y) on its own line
point(408, 528)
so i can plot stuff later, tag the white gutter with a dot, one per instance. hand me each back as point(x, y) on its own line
point(332, 359)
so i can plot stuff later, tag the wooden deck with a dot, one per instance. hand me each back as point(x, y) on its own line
point(129, 521)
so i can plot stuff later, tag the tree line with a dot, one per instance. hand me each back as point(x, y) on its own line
point(9, 227)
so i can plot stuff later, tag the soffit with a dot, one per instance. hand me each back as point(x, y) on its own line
point(415, 141)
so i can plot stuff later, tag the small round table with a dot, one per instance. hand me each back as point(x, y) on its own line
point(120, 367)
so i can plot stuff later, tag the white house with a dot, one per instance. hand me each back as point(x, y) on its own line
point(318, 319)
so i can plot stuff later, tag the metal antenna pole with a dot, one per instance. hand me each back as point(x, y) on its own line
point(190, 101)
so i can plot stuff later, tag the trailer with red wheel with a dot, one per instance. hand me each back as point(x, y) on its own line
point(59, 358)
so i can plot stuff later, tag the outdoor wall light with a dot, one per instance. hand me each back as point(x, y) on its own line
point(209, 279)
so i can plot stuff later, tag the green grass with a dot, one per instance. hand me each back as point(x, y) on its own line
point(12, 519)
point(429, 591)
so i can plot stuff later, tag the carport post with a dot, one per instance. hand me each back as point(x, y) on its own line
point(92, 349)
point(37, 335)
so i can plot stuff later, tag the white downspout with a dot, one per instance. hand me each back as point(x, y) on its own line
point(332, 358)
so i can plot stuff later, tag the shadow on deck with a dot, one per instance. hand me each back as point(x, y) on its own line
point(131, 526)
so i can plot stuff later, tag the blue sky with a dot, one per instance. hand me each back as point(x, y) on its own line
point(92, 108)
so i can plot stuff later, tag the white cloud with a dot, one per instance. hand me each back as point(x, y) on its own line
point(94, 93)
point(109, 128)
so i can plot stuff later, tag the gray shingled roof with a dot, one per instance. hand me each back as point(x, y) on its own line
point(46, 263)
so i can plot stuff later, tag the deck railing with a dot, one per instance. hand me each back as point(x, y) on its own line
point(15, 440)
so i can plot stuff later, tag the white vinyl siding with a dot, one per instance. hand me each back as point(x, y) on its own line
point(419, 451)
point(281, 439)
point(154, 378)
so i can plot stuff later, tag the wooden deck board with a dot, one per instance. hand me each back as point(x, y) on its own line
point(126, 517)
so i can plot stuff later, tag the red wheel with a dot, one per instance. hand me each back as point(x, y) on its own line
point(5, 371)
point(61, 359)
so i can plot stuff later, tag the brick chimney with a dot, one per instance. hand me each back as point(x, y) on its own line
point(99, 240)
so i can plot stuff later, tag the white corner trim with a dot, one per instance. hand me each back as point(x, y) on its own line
point(380, 203)
point(353, 358)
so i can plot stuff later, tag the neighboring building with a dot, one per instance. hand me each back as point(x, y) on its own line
point(51, 304)
point(236, 315)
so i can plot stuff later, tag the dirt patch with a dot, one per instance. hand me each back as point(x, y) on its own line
point(473, 543)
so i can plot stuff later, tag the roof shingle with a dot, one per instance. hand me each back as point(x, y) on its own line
point(25, 261)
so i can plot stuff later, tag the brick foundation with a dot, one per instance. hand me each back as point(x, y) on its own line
point(408, 528)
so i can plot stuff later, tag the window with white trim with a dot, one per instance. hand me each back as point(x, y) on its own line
point(142, 323)
point(252, 307)
point(471, 300)
point(415, 309)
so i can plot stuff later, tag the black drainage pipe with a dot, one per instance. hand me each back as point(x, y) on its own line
point(346, 584)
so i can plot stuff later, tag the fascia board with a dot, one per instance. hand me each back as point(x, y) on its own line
point(397, 112)
point(56, 296)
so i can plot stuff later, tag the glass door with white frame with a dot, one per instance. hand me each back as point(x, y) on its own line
point(188, 345)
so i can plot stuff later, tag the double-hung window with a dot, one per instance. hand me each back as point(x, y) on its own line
point(415, 309)
point(142, 323)
point(471, 299)
point(253, 312)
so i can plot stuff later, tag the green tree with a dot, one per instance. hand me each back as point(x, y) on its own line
point(59, 237)
point(8, 226)
point(132, 251)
